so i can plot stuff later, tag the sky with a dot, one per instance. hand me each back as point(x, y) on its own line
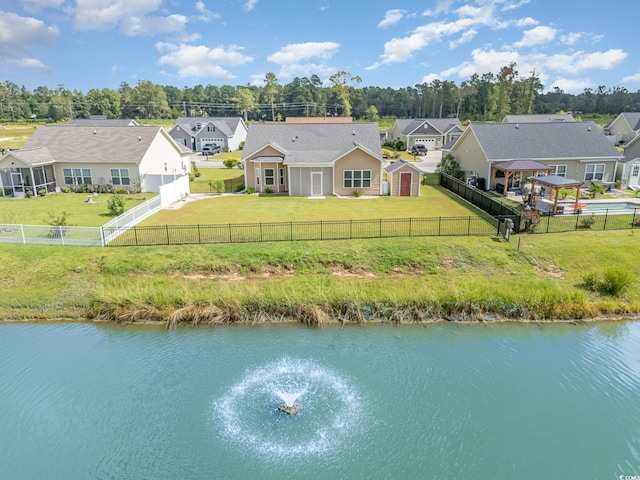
point(96, 44)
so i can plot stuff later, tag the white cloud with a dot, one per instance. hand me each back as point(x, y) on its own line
point(513, 5)
point(37, 5)
point(568, 85)
point(250, 5)
point(296, 52)
point(571, 38)
point(391, 17)
point(632, 78)
point(205, 14)
point(133, 17)
point(17, 36)
point(578, 62)
point(30, 64)
point(525, 22)
point(199, 61)
point(295, 59)
point(466, 37)
point(536, 36)
point(149, 26)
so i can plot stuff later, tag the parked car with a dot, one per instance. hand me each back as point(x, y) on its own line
point(211, 149)
point(418, 149)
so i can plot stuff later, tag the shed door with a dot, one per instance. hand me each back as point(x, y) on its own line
point(405, 184)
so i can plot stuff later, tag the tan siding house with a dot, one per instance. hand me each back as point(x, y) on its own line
point(316, 159)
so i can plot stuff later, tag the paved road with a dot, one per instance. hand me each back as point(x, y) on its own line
point(426, 163)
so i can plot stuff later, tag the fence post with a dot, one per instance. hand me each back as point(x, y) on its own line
point(469, 228)
point(410, 226)
point(548, 222)
point(61, 235)
point(261, 231)
point(633, 220)
point(135, 234)
point(24, 240)
point(439, 224)
point(102, 241)
point(380, 229)
point(351, 229)
point(199, 237)
point(498, 232)
point(577, 218)
point(291, 231)
point(230, 235)
point(606, 215)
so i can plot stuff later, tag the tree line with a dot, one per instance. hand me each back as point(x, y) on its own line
point(486, 97)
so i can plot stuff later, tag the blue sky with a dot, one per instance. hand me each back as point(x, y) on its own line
point(86, 44)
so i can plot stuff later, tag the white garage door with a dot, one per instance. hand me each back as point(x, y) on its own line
point(429, 143)
point(217, 141)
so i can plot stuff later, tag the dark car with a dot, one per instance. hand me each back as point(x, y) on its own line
point(210, 149)
point(418, 149)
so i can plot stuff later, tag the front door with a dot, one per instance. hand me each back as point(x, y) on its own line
point(405, 184)
point(316, 184)
point(634, 179)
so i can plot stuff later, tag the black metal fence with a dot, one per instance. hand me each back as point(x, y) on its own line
point(480, 199)
point(607, 220)
point(315, 230)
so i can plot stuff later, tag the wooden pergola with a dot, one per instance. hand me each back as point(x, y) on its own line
point(555, 183)
point(517, 166)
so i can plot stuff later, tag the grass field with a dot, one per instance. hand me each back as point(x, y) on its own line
point(36, 210)
point(13, 136)
point(433, 202)
point(535, 278)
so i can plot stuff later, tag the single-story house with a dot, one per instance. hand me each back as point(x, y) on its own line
point(229, 133)
point(403, 179)
point(624, 127)
point(123, 157)
point(431, 132)
point(539, 117)
point(629, 167)
point(577, 150)
point(314, 159)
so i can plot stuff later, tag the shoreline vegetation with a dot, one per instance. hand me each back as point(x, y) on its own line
point(534, 278)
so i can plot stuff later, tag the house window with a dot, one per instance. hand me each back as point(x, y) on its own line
point(357, 178)
point(120, 176)
point(635, 171)
point(77, 176)
point(282, 176)
point(594, 171)
point(211, 128)
point(269, 177)
point(559, 170)
point(257, 177)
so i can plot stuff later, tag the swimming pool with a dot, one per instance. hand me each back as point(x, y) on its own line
point(610, 206)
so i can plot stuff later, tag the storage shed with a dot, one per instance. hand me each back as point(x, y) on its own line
point(404, 179)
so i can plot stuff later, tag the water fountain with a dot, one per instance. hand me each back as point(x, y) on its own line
point(259, 411)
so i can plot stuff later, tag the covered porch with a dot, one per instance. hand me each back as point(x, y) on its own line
point(21, 178)
point(508, 176)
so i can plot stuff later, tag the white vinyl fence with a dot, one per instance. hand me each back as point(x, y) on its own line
point(84, 236)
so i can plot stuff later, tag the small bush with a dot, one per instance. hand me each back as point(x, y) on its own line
point(587, 222)
point(615, 281)
point(357, 192)
point(268, 190)
point(249, 190)
point(116, 205)
point(230, 162)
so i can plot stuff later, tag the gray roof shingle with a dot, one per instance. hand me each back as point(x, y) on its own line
point(313, 143)
point(539, 141)
point(93, 144)
point(441, 125)
point(226, 125)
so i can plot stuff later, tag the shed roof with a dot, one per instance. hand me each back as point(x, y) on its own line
point(398, 164)
point(556, 181)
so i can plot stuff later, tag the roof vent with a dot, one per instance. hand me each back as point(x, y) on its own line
point(353, 133)
point(589, 129)
point(517, 126)
point(94, 132)
point(139, 137)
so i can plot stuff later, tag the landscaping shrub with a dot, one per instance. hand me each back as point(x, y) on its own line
point(531, 219)
point(116, 205)
point(587, 221)
point(230, 162)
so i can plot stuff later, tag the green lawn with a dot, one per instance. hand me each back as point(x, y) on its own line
point(434, 202)
point(13, 136)
point(35, 211)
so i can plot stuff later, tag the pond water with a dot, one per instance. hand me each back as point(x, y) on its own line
point(80, 401)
